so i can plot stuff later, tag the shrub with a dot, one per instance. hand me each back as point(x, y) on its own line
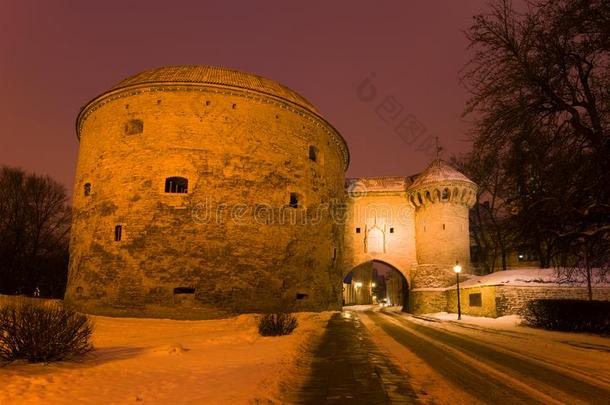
point(568, 315)
point(42, 333)
point(277, 324)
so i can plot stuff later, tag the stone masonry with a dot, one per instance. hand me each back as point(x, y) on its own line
point(251, 230)
point(203, 192)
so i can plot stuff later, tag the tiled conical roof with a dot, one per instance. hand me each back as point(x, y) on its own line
point(439, 171)
point(216, 75)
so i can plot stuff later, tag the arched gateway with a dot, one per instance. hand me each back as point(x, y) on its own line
point(375, 282)
point(416, 224)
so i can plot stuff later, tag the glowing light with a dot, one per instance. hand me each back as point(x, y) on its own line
point(372, 284)
point(457, 268)
point(358, 284)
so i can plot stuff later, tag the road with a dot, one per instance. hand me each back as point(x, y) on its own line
point(461, 364)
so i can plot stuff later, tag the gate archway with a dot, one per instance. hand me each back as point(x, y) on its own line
point(376, 282)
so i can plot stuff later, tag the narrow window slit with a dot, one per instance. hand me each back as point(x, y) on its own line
point(118, 233)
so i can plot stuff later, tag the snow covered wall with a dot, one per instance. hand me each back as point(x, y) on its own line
point(505, 293)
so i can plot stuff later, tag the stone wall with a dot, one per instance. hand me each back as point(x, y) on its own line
point(512, 299)
point(442, 235)
point(427, 301)
point(231, 243)
point(380, 224)
point(263, 225)
point(495, 300)
point(487, 305)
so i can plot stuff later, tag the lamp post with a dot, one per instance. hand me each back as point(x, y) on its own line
point(458, 269)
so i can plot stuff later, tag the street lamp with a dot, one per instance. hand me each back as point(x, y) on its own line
point(458, 269)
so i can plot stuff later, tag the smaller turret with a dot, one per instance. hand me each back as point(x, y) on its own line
point(440, 182)
point(441, 196)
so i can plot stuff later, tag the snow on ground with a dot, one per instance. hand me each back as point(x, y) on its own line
point(581, 355)
point(501, 322)
point(364, 307)
point(167, 361)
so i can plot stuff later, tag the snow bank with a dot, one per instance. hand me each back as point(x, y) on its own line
point(533, 277)
point(167, 361)
point(501, 322)
point(524, 277)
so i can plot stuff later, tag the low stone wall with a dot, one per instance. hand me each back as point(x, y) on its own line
point(495, 300)
point(487, 300)
point(427, 301)
point(512, 299)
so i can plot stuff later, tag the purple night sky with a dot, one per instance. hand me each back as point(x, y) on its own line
point(57, 55)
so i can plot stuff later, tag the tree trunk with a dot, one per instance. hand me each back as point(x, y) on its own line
point(589, 271)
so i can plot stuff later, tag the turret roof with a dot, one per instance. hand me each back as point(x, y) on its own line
point(439, 171)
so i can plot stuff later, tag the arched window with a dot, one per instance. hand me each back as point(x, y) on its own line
point(176, 185)
point(87, 189)
point(445, 195)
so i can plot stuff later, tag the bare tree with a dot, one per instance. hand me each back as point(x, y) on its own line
point(540, 84)
point(34, 227)
point(585, 258)
point(490, 218)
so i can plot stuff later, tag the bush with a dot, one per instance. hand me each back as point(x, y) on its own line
point(568, 315)
point(277, 324)
point(42, 333)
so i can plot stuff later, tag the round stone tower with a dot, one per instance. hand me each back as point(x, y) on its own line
point(201, 192)
point(442, 197)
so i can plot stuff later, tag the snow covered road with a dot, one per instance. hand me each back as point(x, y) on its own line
point(453, 363)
